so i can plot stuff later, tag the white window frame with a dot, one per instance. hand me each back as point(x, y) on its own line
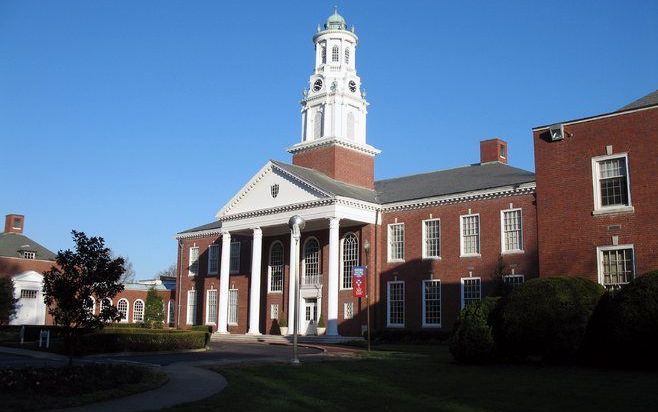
point(318, 264)
point(171, 311)
point(237, 307)
point(193, 263)
point(599, 259)
point(598, 209)
point(190, 315)
point(234, 257)
point(515, 276)
point(461, 236)
point(342, 259)
point(269, 267)
point(274, 311)
point(424, 239)
point(347, 305)
point(93, 305)
point(126, 318)
point(462, 288)
point(212, 248)
point(502, 232)
point(389, 242)
point(29, 254)
point(424, 308)
point(211, 320)
point(388, 304)
point(135, 320)
point(102, 306)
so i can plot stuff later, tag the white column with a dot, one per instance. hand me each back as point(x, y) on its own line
point(291, 284)
point(222, 316)
point(254, 297)
point(332, 283)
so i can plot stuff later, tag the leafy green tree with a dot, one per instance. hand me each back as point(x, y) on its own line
point(7, 301)
point(154, 311)
point(80, 276)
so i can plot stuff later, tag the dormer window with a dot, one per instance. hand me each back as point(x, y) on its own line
point(29, 254)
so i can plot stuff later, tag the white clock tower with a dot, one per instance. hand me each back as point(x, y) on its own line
point(334, 107)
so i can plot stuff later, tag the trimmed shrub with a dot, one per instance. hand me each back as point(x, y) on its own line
point(407, 336)
point(545, 317)
point(140, 340)
point(202, 328)
point(472, 341)
point(623, 330)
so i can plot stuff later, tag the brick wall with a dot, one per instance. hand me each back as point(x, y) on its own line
point(568, 232)
point(339, 163)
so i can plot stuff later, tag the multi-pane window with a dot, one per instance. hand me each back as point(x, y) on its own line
point(512, 230)
point(335, 54)
point(513, 281)
point(276, 267)
point(612, 177)
point(274, 311)
point(348, 310)
point(616, 266)
point(432, 302)
point(29, 255)
point(395, 301)
point(211, 306)
point(471, 290)
point(235, 257)
point(105, 303)
point(171, 314)
point(431, 238)
point(138, 311)
point(213, 259)
point(122, 307)
point(396, 242)
point(350, 258)
point(191, 307)
point(324, 54)
point(470, 231)
point(233, 307)
point(194, 261)
point(347, 55)
point(311, 262)
point(28, 293)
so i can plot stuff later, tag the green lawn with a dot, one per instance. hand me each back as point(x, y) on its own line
point(428, 379)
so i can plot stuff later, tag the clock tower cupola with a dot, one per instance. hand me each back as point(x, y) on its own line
point(334, 109)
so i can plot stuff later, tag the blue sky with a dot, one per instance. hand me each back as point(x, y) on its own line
point(135, 120)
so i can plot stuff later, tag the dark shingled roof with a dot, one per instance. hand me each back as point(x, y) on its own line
point(12, 244)
point(424, 185)
point(451, 181)
point(650, 99)
point(328, 184)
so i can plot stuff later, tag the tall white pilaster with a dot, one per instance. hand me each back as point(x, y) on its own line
point(291, 283)
point(222, 316)
point(254, 297)
point(332, 283)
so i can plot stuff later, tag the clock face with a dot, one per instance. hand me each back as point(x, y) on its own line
point(352, 86)
point(317, 85)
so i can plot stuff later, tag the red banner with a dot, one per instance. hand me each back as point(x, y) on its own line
point(359, 282)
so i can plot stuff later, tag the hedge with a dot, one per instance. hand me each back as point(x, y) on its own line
point(407, 336)
point(139, 340)
point(472, 341)
point(545, 317)
point(623, 330)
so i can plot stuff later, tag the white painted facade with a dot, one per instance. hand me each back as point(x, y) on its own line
point(31, 310)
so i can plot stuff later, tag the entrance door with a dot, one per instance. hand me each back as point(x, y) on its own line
point(310, 319)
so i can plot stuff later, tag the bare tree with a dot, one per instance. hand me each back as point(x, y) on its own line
point(169, 272)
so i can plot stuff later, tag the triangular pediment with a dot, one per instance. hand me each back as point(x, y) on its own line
point(29, 276)
point(271, 187)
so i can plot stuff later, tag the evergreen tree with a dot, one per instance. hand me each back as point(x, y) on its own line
point(154, 311)
point(7, 300)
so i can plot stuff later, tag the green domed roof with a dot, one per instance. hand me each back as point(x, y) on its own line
point(335, 22)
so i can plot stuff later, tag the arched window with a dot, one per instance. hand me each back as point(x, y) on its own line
point(317, 125)
point(311, 262)
point(91, 305)
point(350, 258)
point(171, 312)
point(138, 311)
point(350, 126)
point(122, 307)
point(276, 267)
point(347, 55)
point(335, 54)
point(105, 303)
point(324, 54)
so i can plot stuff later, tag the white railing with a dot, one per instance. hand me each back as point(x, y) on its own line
point(312, 280)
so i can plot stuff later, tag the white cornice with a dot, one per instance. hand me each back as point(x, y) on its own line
point(327, 141)
point(201, 233)
point(279, 209)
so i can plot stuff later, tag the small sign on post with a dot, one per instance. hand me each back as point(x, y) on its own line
point(359, 281)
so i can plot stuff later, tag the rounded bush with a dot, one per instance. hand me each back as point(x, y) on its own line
point(545, 317)
point(473, 341)
point(623, 329)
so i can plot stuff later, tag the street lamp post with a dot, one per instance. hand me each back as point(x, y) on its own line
point(366, 248)
point(296, 224)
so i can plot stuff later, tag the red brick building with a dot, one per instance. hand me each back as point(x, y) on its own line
point(597, 197)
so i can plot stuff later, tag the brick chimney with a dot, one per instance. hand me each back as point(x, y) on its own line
point(493, 150)
point(14, 223)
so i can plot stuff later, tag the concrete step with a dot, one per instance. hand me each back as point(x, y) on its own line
point(278, 339)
